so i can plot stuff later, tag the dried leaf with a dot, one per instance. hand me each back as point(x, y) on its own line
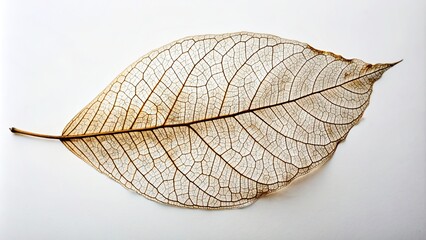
point(217, 121)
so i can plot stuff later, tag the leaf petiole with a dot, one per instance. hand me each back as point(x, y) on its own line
point(18, 131)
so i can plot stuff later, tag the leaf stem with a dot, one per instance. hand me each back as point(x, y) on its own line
point(19, 131)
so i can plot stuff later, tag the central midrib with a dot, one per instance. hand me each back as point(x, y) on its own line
point(68, 137)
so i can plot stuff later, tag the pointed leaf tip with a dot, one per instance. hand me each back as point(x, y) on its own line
point(395, 63)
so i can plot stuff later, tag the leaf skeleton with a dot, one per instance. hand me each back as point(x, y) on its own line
point(217, 121)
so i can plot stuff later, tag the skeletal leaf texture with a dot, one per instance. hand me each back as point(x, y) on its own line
point(217, 121)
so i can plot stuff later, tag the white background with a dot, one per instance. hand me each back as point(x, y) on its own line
point(56, 56)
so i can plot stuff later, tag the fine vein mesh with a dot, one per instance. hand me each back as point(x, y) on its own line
point(216, 121)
